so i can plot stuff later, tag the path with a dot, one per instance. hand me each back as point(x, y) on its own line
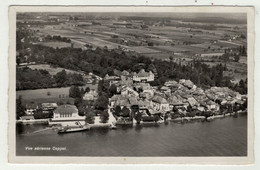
point(112, 119)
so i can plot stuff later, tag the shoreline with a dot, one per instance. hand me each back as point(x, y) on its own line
point(113, 124)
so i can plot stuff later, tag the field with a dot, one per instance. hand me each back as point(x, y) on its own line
point(60, 95)
point(49, 94)
point(153, 36)
point(50, 69)
point(54, 70)
point(180, 37)
point(55, 44)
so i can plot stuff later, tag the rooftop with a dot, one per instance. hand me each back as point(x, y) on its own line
point(49, 105)
point(159, 99)
point(66, 109)
point(142, 73)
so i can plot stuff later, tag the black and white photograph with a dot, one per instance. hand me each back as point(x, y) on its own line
point(132, 83)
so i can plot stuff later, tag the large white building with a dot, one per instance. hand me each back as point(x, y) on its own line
point(143, 76)
point(67, 115)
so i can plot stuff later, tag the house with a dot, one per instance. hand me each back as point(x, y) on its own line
point(175, 100)
point(125, 75)
point(31, 108)
point(113, 100)
point(193, 102)
point(48, 107)
point(159, 103)
point(67, 115)
point(127, 91)
point(91, 95)
point(212, 105)
point(94, 76)
point(146, 95)
point(165, 89)
point(187, 83)
point(143, 76)
point(27, 117)
point(120, 85)
point(143, 104)
point(144, 88)
point(123, 102)
point(171, 83)
point(111, 78)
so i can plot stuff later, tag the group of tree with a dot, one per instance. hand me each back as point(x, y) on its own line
point(27, 78)
point(57, 38)
point(124, 112)
point(20, 109)
point(242, 50)
point(241, 87)
point(76, 92)
point(101, 104)
point(64, 79)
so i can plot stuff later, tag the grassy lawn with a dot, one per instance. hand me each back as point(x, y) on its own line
point(55, 44)
point(44, 93)
point(49, 95)
point(50, 69)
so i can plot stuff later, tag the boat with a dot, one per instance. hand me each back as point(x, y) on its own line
point(68, 129)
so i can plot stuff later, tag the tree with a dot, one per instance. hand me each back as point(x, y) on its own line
point(61, 78)
point(156, 118)
point(78, 101)
point(82, 92)
point(138, 117)
point(117, 111)
point(125, 112)
point(81, 109)
point(243, 50)
point(101, 102)
point(74, 92)
point(104, 116)
point(87, 90)
point(237, 58)
point(191, 114)
point(112, 89)
point(75, 79)
point(19, 108)
point(18, 61)
point(90, 116)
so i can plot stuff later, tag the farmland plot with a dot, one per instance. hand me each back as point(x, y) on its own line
point(55, 44)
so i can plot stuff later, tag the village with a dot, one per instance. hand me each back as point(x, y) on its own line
point(84, 71)
point(135, 101)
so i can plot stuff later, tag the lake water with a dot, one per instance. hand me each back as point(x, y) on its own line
point(221, 137)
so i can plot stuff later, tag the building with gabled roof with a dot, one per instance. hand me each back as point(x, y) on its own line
point(91, 95)
point(48, 107)
point(31, 108)
point(158, 103)
point(67, 115)
point(143, 76)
